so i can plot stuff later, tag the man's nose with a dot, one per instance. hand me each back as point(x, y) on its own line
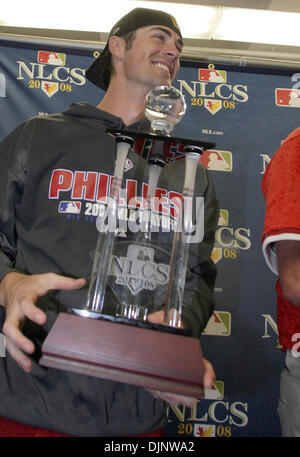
point(172, 49)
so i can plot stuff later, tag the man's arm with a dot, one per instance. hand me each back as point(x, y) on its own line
point(288, 259)
point(19, 292)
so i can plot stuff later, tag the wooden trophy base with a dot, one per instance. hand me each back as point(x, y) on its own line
point(144, 357)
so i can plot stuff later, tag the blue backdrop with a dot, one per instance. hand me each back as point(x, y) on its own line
point(247, 112)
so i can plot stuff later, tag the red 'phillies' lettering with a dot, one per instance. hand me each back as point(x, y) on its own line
point(161, 201)
point(84, 186)
point(131, 193)
point(61, 180)
point(95, 186)
point(103, 183)
point(175, 199)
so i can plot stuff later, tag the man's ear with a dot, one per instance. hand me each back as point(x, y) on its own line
point(117, 46)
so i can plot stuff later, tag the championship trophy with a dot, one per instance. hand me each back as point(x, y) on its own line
point(140, 274)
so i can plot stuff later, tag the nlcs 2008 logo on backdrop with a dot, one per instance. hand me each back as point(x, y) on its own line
point(215, 416)
point(50, 73)
point(212, 91)
point(229, 241)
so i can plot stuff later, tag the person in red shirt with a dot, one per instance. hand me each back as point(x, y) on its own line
point(281, 248)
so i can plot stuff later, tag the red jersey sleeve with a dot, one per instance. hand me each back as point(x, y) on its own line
point(281, 189)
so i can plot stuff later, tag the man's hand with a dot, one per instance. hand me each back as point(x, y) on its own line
point(18, 295)
point(174, 399)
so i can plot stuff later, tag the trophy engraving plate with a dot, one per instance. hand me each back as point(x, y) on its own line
point(138, 270)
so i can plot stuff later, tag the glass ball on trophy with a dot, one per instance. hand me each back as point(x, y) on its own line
point(165, 106)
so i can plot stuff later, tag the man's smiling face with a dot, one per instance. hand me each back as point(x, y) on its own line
point(153, 59)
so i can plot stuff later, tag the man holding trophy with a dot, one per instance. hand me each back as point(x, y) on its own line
point(46, 258)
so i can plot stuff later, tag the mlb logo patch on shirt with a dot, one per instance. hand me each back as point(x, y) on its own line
point(69, 207)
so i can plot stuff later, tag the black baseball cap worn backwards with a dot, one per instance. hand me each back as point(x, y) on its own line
point(139, 17)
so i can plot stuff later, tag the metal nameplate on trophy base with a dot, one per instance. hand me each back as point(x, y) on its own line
point(141, 275)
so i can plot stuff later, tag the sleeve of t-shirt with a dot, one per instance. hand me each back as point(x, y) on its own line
point(281, 188)
point(13, 159)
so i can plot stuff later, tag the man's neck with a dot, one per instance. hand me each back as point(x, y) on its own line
point(127, 104)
